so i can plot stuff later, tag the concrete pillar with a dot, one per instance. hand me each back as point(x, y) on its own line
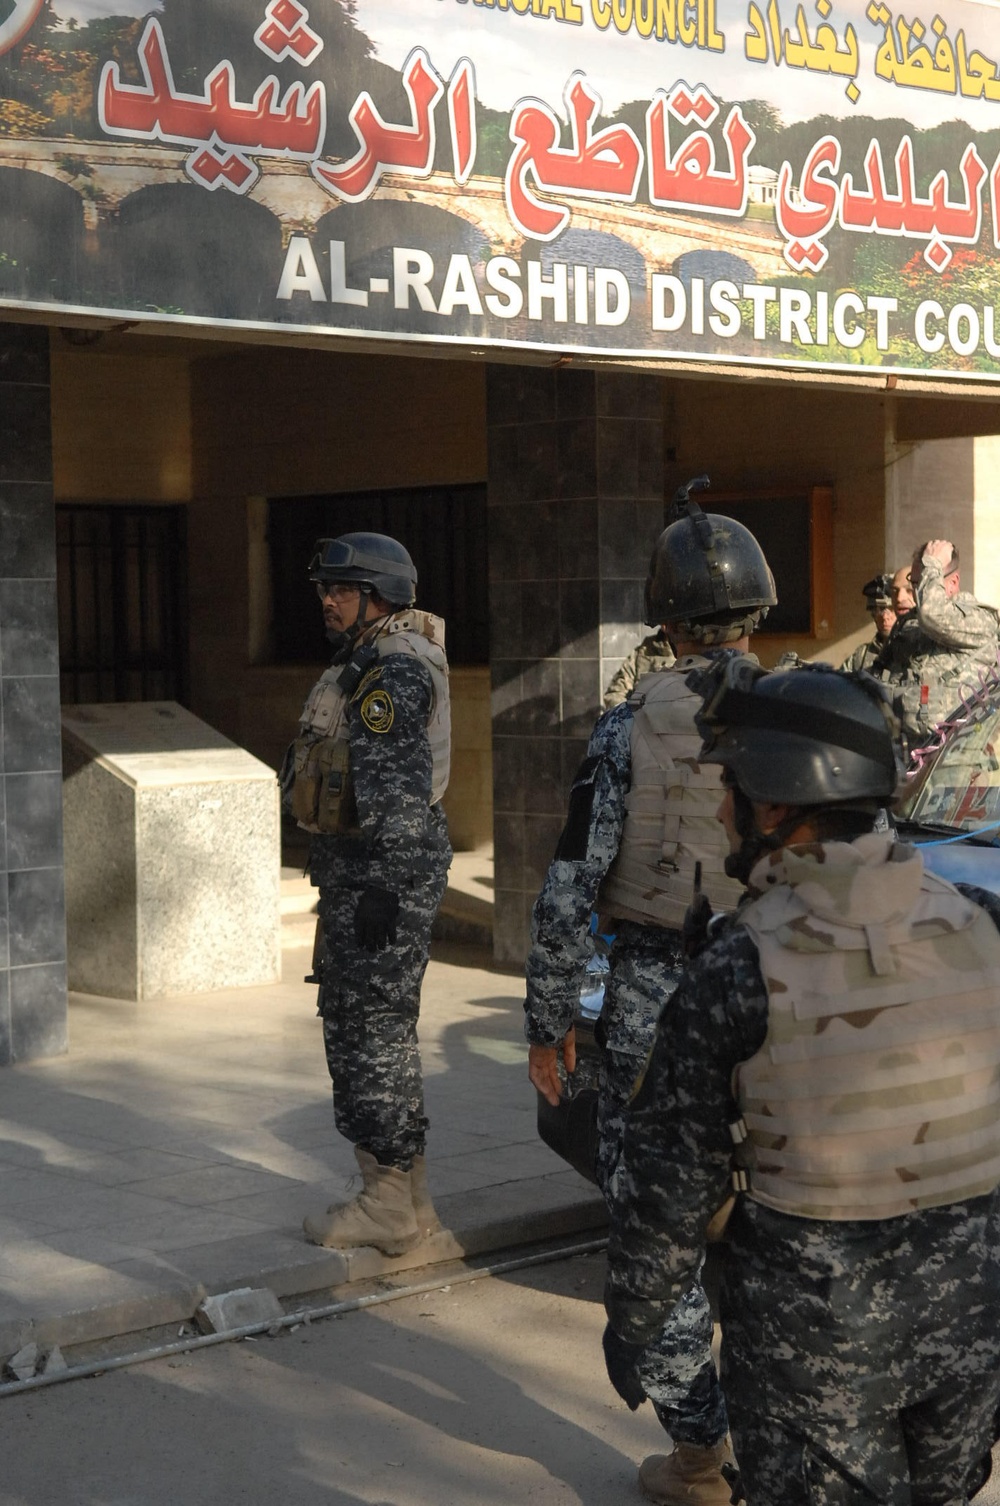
point(32, 910)
point(575, 503)
point(930, 489)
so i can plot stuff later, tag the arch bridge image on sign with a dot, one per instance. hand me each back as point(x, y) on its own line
point(106, 174)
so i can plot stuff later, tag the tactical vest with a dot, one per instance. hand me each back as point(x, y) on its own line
point(670, 821)
point(877, 1088)
point(322, 798)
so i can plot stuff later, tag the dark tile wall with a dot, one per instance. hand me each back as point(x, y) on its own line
point(575, 503)
point(32, 907)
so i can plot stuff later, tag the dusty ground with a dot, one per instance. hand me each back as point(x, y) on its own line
point(478, 1394)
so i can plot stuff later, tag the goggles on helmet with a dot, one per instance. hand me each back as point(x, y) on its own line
point(731, 701)
point(336, 555)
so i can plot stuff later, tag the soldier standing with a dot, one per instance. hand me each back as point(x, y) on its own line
point(652, 654)
point(878, 598)
point(943, 646)
point(842, 1030)
point(641, 815)
point(365, 776)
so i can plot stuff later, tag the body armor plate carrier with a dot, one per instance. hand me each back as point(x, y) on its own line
point(670, 821)
point(322, 798)
point(877, 1089)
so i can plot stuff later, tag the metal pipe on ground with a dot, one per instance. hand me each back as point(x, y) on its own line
point(302, 1315)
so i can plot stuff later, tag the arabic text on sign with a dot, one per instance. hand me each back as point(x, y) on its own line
point(603, 164)
point(293, 125)
point(689, 178)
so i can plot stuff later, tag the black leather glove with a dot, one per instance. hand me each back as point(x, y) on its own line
point(375, 918)
point(621, 1358)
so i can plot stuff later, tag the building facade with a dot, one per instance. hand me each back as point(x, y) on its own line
point(504, 327)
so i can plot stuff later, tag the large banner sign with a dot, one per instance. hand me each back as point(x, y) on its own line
point(739, 180)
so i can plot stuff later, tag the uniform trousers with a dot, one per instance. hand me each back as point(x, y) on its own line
point(862, 1362)
point(677, 1370)
point(370, 1003)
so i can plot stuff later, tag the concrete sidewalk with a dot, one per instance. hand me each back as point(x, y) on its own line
point(174, 1151)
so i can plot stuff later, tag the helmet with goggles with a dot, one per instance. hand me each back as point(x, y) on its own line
point(372, 562)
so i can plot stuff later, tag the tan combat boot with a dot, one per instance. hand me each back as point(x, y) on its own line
point(427, 1220)
point(690, 1476)
point(381, 1215)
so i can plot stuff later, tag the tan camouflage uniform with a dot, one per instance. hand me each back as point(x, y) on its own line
point(861, 1356)
point(653, 653)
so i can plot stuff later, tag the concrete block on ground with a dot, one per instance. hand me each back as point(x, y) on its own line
point(22, 1365)
point(53, 1363)
point(172, 844)
point(238, 1309)
point(15, 1332)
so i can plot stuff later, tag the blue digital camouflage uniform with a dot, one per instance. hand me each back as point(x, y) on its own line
point(861, 1360)
point(370, 1001)
point(679, 1374)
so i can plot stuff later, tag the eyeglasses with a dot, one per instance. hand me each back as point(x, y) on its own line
point(336, 590)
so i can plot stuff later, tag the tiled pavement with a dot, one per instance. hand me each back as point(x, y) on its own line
point(177, 1146)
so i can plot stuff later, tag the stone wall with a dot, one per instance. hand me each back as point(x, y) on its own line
point(32, 912)
point(575, 468)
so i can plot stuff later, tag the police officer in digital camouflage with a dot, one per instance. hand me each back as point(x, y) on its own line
point(365, 776)
point(878, 598)
point(641, 815)
point(653, 653)
point(836, 1042)
point(946, 643)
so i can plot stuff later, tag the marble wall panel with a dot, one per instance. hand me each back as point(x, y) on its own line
point(575, 471)
point(32, 919)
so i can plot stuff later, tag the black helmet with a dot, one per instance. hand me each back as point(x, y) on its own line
point(707, 574)
point(370, 560)
point(800, 737)
point(877, 592)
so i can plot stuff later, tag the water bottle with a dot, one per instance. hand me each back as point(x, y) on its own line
point(592, 987)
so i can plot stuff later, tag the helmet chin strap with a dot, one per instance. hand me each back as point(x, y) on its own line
point(344, 639)
point(755, 843)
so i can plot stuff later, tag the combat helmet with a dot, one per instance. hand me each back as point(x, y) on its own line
point(372, 561)
point(707, 574)
point(811, 736)
point(877, 592)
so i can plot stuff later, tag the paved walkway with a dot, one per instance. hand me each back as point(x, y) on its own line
point(174, 1151)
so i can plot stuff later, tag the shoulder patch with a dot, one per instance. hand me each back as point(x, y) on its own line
point(366, 680)
point(377, 711)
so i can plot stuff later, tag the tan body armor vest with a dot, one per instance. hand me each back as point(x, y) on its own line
point(877, 1089)
point(670, 821)
point(322, 794)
